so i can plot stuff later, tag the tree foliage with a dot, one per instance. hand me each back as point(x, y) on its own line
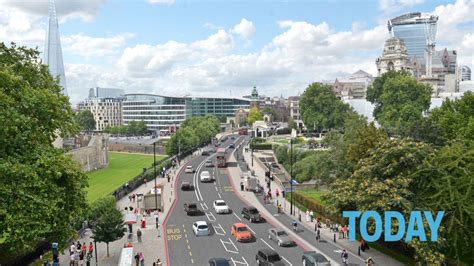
point(85, 119)
point(42, 189)
point(254, 115)
point(132, 129)
point(321, 109)
point(400, 101)
point(109, 226)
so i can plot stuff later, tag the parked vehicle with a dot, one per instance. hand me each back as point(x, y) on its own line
point(200, 228)
point(232, 146)
point(219, 262)
point(185, 186)
point(268, 257)
point(191, 209)
point(313, 258)
point(241, 232)
point(220, 207)
point(205, 176)
point(205, 152)
point(252, 214)
point(209, 163)
point(189, 169)
point(280, 237)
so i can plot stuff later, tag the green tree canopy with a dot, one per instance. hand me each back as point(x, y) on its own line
point(271, 111)
point(254, 115)
point(321, 109)
point(400, 101)
point(85, 119)
point(42, 189)
point(109, 226)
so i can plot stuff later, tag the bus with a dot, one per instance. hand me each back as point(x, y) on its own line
point(220, 156)
point(243, 131)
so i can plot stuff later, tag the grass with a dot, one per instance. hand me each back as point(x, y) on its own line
point(122, 168)
point(314, 194)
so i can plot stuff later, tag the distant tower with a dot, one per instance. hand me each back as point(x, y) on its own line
point(254, 99)
point(394, 57)
point(53, 55)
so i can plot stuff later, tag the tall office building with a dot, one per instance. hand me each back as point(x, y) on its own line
point(53, 55)
point(417, 31)
point(465, 73)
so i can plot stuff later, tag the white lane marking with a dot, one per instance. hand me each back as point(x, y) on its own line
point(236, 251)
point(204, 206)
point(219, 226)
point(210, 217)
point(219, 194)
point(251, 230)
point(239, 262)
point(267, 244)
point(215, 188)
point(196, 183)
point(237, 216)
point(286, 261)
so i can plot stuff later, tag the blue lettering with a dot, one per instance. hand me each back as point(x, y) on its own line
point(388, 215)
point(352, 215)
point(416, 220)
point(434, 225)
point(363, 226)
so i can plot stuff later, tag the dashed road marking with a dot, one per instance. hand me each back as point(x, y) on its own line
point(210, 216)
point(204, 206)
point(226, 243)
point(239, 262)
point(237, 216)
point(267, 244)
point(221, 230)
point(287, 261)
point(251, 230)
point(219, 194)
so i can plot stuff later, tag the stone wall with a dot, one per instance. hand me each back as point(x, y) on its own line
point(94, 155)
point(136, 148)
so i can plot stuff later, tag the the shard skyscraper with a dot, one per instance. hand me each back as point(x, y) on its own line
point(53, 55)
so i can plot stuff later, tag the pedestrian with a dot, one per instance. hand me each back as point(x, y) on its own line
point(78, 245)
point(283, 193)
point(71, 259)
point(241, 186)
point(137, 259)
point(139, 235)
point(84, 249)
point(76, 259)
point(344, 256)
point(91, 248)
point(277, 192)
point(145, 181)
point(142, 259)
point(295, 225)
point(318, 235)
point(159, 230)
point(308, 219)
point(344, 231)
point(169, 177)
point(72, 249)
point(158, 262)
point(370, 262)
point(133, 197)
point(130, 198)
point(311, 214)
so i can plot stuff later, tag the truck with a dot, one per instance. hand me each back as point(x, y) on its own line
point(251, 183)
point(191, 208)
point(149, 203)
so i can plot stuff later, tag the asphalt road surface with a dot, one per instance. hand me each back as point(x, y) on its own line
point(187, 249)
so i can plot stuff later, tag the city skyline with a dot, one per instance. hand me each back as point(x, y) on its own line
point(210, 49)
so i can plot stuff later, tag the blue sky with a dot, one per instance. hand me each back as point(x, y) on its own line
point(214, 47)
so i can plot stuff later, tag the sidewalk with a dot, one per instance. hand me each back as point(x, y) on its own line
point(326, 234)
point(153, 242)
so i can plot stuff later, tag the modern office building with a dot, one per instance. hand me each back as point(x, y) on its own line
point(53, 55)
point(98, 92)
point(417, 30)
point(220, 107)
point(465, 73)
point(354, 86)
point(105, 105)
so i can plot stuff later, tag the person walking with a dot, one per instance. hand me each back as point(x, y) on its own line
point(344, 256)
point(139, 235)
point(318, 235)
point(72, 257)
point(91, 249)
point(277, 192)
point(137, 259)
point(159, 229)
point(311, 214)
point(84, 249)
point(344, 231)
point(308, 219)
point(295, 225)
point(142, 259)
point(145, 181)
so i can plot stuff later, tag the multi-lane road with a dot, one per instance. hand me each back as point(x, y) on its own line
point(186, 249)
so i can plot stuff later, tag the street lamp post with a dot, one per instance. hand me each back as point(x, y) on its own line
point(154, 173)
point(291, 175)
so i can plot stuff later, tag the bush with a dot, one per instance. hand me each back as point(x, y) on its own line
point(317, 207)
point(261, 146)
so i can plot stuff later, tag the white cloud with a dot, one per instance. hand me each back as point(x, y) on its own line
point(90, 47)
point(245, 28)
point(162, 2)
point(391, 6)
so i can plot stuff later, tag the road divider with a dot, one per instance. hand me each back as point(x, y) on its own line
point(239, 262)
point(210, 217)
point(231, 244)
point(219, 230)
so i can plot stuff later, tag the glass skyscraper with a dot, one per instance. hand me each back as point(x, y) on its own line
point(415, 29)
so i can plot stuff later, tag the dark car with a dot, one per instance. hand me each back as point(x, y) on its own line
point(312, 258)
point(232, 146)
point(191, 209)
point(186, 186)
point(252, 214)
point(268, 257)
point(205, 152)
point(219, 262)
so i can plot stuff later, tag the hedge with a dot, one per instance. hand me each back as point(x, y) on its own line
point(317, 207)
point(261, 146)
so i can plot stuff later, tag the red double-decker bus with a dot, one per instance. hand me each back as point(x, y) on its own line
point(220, 157)
point(243, 131)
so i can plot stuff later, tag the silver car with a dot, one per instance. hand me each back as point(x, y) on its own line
point(280, 237)
point(200, 228)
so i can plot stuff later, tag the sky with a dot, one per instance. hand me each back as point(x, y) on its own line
point(223, 48)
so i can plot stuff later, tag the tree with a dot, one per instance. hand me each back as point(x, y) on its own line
point(271, 111)
point(291, 123)
point(321, 109)
point(400, 101)
point(42, 189)
point(254, 115)
point(86, 120)
point(109, 227)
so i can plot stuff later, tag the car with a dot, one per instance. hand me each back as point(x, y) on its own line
point(252, 214)
point(280, 237)
point(205, 176)
point(200, 228)
point(232, 146)
point(233, 137)
point(205, 152)
point(267, 256)
point(185, 185)
point(241, 232)
point(191, 209)
point(220, 207)
point(219, 262)
point(313, 258)
point(209, 163)
point(189, 169)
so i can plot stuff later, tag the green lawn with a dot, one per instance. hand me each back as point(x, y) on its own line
point(314, 194)
point(122, 168)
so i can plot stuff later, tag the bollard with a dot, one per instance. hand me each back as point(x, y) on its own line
point(334, 237)
point(299, 217)
point(171, 192)
point(358, 251)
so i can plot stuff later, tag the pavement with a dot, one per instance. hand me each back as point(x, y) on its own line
point(153, 242)
point(306, 232)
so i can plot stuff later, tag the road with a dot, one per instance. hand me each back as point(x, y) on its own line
point(186, 249)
